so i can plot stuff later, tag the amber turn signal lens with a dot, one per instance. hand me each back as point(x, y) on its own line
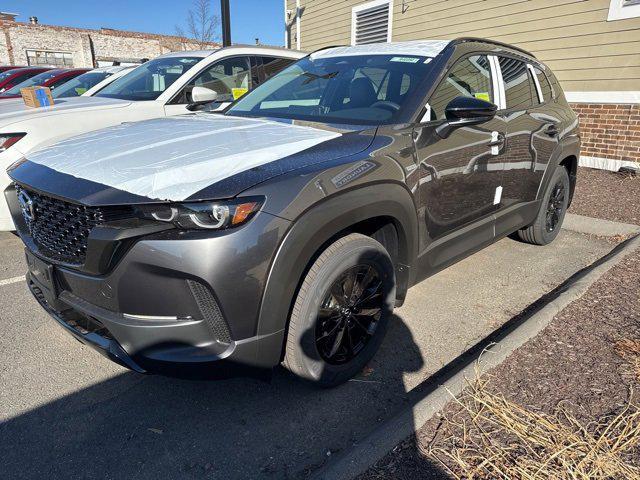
point(243, 211)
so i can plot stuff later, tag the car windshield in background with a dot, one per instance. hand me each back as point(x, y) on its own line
point(7, 74)
point(363, 89)
point(31, 82)
point(77, 86)
point(149, 80)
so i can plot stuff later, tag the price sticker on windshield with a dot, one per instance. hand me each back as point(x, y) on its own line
point(405, 59)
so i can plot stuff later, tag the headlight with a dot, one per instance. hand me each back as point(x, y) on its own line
point(204, 215)
point(8, 139)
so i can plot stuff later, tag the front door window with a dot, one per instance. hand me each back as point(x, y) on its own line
point(230, 78)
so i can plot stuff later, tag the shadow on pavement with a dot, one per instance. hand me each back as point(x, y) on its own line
point(140, 427)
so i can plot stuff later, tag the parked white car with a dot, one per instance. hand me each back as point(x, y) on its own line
point(171, 84)
point(80, 85)
point(117, 74)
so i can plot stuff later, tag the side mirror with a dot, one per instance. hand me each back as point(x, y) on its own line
point(201, 96)
point(464, 111)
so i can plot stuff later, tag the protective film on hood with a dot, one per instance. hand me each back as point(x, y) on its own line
point(173, 158)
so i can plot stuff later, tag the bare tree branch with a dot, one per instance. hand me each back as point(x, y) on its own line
point(202, 24)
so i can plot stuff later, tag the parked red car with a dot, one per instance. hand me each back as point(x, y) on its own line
point(14, 76)
point(4, 68)
point(49, 78)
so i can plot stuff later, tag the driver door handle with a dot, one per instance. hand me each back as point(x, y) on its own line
point(498, 141)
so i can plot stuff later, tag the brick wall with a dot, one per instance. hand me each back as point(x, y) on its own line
point(86, 46)
point(610, 131)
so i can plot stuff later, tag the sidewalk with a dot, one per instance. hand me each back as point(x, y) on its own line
point(583, 361)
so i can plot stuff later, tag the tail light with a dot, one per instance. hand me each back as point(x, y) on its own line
point(8, 139)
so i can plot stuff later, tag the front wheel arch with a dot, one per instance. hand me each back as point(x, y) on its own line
point(323, 223)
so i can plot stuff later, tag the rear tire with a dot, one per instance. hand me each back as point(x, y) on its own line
point(554, 205)
point(341, 312)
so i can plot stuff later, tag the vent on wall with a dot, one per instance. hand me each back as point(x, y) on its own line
point(371, 22)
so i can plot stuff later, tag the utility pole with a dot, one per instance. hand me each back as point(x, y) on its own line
point(226, 23)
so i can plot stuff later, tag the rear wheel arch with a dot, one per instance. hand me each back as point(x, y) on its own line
point(385, 212)
point(571, 164)
point(566, 156)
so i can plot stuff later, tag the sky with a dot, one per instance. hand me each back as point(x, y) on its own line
point(249, 18)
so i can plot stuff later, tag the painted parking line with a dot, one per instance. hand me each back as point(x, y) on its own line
point(9, 281)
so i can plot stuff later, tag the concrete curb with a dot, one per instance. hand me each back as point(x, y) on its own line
point(596, 226)
point(431, 396)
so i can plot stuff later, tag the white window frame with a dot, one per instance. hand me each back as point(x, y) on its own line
point(367, 6)
point(498, 83)
point(619, 11)
point(35, 51)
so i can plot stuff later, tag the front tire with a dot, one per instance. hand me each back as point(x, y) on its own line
point(554, 206)
point(341, 312)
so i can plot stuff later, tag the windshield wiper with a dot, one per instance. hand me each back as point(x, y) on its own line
point(312, 76)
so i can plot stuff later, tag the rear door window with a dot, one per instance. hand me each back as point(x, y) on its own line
point(518, 86)
point(470, 77)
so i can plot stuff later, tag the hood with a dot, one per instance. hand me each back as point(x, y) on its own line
point(181, 158)
point(12, 111)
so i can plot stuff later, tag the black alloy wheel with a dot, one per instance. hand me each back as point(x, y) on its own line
point(555, 206)
point(341, 311)
point(349, 314)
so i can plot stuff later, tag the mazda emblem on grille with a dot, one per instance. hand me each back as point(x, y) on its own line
point(27, 206)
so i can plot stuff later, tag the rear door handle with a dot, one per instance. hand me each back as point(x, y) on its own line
point(497, 142)
point(551, 130)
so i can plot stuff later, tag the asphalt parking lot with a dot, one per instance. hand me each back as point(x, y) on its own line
point(66, 412)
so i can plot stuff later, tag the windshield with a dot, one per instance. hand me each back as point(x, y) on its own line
point(149, 80)
point(7, 74)
point(31, 82)
point(363, 89)
point(77, 86)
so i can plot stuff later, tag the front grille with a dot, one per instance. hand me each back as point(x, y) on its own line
point(60, 229)
point(210, 311)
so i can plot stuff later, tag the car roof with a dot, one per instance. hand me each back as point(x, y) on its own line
point(257, 48)
point(423, 48)
point(189, 53)
point(426, 48)
point(112, 69)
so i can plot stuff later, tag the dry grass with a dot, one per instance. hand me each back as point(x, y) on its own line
point(630, 351)
point(494, 438)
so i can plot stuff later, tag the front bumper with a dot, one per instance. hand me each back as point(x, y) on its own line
point(178, 303)
point(175, 360)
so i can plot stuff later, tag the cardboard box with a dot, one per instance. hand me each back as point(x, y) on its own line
point(37, 96)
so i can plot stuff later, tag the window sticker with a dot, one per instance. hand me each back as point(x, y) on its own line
point(482, 96)
point(238, 92)
point(405, 59)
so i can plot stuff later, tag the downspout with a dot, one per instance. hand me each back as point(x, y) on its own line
point(298, 24)
point(7, 37)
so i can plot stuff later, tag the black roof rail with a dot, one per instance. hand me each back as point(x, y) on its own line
point(493, 42)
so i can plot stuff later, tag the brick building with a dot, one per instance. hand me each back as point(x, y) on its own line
point(32, 43)
point(593, 47)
